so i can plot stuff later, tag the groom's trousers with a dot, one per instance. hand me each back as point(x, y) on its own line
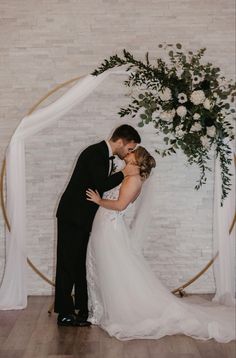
point(71, 268)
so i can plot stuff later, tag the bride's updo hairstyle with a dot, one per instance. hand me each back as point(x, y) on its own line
point(145, 162)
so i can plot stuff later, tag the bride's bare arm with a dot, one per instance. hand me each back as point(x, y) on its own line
point(129, 190)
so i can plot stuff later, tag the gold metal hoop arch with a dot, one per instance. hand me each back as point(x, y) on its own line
point(179, 290)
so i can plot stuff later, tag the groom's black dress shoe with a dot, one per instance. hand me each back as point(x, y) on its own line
point(81, 320)
point(72, 320)
point(66, 320)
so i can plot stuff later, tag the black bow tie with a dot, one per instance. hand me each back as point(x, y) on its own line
point(112, 157)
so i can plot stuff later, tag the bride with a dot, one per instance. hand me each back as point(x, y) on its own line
point(125, 297)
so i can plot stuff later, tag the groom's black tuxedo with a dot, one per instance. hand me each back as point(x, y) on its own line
point(75, 216)
point(91, 171)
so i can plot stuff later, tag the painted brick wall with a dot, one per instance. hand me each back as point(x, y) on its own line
point(45, 43)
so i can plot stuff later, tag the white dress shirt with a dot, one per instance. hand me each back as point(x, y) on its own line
point(110, 154)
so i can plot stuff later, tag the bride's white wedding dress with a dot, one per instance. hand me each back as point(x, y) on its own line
point(126, 298)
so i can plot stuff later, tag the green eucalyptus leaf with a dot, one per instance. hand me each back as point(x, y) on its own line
point(143, 116)
point(140, 124)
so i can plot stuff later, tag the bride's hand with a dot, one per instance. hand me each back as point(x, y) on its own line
point(93, 196)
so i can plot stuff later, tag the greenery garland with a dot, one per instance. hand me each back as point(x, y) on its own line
point(190, 102)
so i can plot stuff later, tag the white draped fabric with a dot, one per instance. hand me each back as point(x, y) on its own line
point(223, 242)
point(13, 291)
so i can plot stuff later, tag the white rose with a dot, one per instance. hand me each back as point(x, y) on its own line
point(182, 97)
point(178, 131)
point(179, 134)
point(205, 141)
point(165, 94)
point(196, 116)
point(207, 104)
point(197, 97)
point(179, 127)
point(167, 116)
point(211, 131)
point(181, 111)
point(196, 127)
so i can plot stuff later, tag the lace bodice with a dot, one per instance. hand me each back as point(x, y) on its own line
point(113, 194)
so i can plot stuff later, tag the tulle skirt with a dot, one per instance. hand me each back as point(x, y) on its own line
point(127, 299)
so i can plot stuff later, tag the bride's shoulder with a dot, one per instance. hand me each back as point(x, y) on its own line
point(135, 179)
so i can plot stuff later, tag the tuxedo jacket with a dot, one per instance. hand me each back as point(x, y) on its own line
point(91, 171)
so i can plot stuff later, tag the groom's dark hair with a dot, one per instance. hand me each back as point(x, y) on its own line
point(127, 133)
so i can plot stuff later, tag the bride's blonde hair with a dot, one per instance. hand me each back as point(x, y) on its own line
point(145, 161)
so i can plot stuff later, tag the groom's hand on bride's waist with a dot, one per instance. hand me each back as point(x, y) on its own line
point(130, 169)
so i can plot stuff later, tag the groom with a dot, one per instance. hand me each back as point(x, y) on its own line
point(75, 216)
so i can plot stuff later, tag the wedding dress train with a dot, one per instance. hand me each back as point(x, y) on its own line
point(128, 301)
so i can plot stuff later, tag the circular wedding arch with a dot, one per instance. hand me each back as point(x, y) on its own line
point(179, 290)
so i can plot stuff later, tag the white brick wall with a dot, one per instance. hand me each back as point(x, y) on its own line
point(47, 42)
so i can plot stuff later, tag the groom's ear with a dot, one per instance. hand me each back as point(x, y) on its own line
point(119, 142)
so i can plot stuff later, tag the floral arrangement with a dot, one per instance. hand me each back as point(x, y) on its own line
point(189, 102)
